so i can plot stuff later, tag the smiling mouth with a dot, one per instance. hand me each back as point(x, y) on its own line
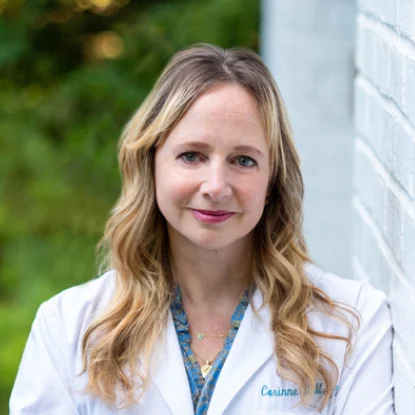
point(213, 212)
point(212, 216)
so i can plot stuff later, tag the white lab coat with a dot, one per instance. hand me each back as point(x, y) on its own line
point(47, 381)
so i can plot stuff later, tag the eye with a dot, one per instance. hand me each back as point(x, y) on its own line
point(190, 157)
point(246, 161)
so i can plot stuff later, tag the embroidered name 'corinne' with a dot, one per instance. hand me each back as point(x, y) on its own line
point(318, 390)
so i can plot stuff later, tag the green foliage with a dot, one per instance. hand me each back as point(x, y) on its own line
point(63, 103)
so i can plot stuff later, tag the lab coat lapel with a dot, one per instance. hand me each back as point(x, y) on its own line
point(252, 347)
point(170, 374)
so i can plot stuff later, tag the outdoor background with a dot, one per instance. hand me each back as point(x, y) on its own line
point(71, 75)
point(72, 72)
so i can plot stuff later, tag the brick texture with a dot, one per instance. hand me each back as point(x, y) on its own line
point(309, 47)
point(384, 175)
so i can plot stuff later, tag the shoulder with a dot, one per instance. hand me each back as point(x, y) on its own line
point(75, 307)
point(358, 294)
point(368, 304)
point(50, 375)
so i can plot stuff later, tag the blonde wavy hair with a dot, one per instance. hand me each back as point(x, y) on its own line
point(135, 242)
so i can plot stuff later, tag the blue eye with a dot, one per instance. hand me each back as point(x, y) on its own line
point(189, 157)
point(245, 161)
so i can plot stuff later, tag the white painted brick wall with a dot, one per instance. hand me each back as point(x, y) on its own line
point(384, 179)
point(309, 47)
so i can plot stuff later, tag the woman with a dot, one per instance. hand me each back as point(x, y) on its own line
point(211, 304)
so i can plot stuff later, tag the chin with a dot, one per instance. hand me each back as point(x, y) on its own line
point(210, 245)
point(214, 242)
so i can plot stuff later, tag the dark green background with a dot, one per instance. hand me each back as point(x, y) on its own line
point(62, 107)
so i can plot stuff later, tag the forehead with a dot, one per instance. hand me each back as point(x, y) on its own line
point(226, 111)
point(226, 97)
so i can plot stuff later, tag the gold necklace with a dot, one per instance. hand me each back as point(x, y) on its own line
point(201, 336)
point(207, 367)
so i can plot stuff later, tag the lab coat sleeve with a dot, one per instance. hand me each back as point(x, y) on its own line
point(41, 385)
point(366, 386)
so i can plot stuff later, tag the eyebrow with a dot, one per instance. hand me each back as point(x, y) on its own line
point(205, 146)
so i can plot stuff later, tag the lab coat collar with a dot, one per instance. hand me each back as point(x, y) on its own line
point(252, 347)
point(170, 374)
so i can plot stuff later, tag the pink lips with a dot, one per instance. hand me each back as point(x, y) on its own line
point(210, 216)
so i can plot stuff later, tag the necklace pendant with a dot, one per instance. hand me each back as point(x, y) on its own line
point(200, 336)
point(205, 369)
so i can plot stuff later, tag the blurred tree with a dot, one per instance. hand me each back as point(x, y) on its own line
point(71, 74)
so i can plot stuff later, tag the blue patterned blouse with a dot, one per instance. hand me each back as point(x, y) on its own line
point(202, 389)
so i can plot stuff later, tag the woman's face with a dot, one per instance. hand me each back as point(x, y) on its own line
point(212, 171)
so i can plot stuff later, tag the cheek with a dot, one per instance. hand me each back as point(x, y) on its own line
point(172, 188)
point(254, 191)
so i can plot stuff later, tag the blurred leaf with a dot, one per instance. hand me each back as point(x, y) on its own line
point(62, 109)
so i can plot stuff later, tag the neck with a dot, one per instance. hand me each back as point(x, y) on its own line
point(211, 278)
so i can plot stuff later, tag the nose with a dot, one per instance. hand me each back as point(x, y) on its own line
point(216, 183)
